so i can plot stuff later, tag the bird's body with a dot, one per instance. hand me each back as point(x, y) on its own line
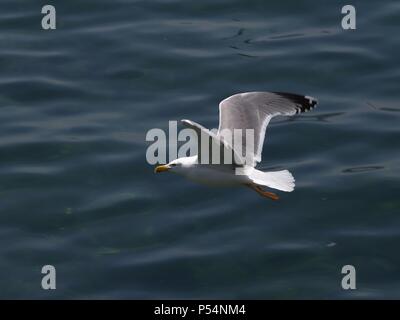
point(243, 111)
point(215, 175)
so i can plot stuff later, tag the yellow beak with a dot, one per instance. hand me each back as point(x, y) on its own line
point(161, 169)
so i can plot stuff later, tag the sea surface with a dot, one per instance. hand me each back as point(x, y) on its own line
point(77, 192)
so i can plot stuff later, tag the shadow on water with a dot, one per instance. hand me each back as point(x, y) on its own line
point(387, 109)
point(362, 169)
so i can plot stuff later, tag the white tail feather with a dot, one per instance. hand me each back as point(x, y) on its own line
point(281, 180)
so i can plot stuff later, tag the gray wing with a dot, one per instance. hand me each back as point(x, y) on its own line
point(254, 110)
point(212, 149)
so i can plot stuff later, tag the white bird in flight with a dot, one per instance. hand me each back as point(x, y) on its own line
point(250, 110)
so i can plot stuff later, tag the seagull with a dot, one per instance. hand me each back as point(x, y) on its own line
point(249, 110)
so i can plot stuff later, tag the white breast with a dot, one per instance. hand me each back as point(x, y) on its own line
point(213, 175)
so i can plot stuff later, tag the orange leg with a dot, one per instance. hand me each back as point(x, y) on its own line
point(262, 192)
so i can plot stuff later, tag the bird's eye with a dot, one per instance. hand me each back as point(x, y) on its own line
point(173, 164)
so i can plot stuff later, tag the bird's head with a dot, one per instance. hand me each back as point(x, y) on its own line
point(177, 164)
point(166, 167)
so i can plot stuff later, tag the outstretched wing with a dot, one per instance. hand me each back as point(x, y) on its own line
point(212, 149)
point(254, 110)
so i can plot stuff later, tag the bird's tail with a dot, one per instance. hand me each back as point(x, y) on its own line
point(281, 180)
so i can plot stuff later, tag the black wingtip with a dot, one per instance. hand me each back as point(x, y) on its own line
point(303, 103)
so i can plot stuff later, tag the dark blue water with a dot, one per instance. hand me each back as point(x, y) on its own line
point(76, 191)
